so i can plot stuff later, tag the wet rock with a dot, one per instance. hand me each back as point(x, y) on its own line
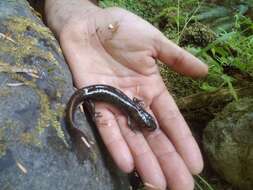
point(35, 85)
point(228, 142)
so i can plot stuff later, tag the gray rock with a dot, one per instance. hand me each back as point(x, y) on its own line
point(228, 142)
point(35, 85)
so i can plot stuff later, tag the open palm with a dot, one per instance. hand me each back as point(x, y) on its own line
point(115, 47)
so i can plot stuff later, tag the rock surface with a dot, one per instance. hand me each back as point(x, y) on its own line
point(35, 84)
point(228, 142)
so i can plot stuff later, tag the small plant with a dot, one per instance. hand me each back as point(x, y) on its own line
point(202, 184)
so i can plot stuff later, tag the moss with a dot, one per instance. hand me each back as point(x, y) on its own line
point(2, 145)
point(48, 116)
point(8, 124)
point(2, 149)
point(7, 68)
point(4, 92)
point(29, 138)
point(59, 112)
point(178, 85)
point(22, 24)
point(45, 113)
point(93, 156)
point(25, 40)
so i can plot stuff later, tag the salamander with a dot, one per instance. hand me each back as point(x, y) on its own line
point(105, 93)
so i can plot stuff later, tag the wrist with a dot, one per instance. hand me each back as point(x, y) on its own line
point(60, 12)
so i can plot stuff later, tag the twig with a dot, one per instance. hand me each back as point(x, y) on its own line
point(186, 24)
point(15, 69)
point(151, 186)
point(15, 84)
point(85, 142)
point(7, 38)
point(21, 167)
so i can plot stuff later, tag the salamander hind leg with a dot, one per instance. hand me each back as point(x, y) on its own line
point(89, 107)
point(131, 125)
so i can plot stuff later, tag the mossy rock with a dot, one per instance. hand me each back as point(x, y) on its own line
point(197, 34)
point(228, 143)
point(35, 85)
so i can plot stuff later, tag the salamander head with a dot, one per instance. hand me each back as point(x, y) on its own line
point(147, 121)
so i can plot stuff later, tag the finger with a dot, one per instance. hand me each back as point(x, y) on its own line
point(177, 174)
point(174, 125)
point(111, 135)
point(178, 59)
point(145, 161)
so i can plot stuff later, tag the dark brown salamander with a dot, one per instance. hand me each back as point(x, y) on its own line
point(109, 94)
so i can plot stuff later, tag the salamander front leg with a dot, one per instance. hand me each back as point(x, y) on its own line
point(139, 102)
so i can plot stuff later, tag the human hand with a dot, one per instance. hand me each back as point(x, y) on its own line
point(115, 47)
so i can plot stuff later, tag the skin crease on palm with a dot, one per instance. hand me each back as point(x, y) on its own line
point(115, 47)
